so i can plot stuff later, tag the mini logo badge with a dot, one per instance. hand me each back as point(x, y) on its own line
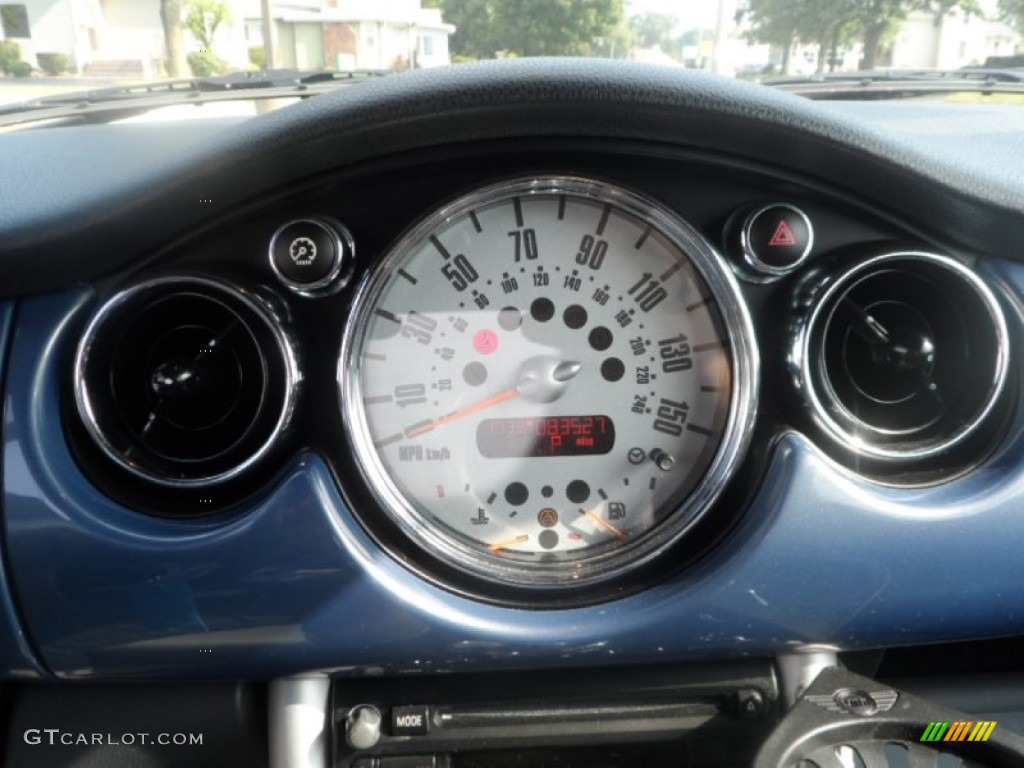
point(852, 701)
point(959, 730)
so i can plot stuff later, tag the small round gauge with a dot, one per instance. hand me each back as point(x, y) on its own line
point(548, 381)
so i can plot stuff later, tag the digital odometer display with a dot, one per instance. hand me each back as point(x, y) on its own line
point(545, 436)
point(545, 380)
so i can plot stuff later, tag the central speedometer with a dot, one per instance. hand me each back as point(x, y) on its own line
point(548, 381)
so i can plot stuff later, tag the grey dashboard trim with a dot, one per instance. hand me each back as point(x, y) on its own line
point(299, 733)
point(84, 201)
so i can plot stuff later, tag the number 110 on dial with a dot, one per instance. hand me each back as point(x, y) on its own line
point(546, 380)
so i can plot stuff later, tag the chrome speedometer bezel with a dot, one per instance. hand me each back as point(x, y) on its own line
point(571, 572)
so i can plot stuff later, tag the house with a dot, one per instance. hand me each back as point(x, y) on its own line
point(126, 37)
point(354, 34)
point(107, 37)
point(956, 40)
point(69, 27)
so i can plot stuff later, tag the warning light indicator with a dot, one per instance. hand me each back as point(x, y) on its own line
point(485, 342)
point(776, 238)
point(783, 235)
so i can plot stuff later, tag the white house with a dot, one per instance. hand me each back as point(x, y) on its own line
point(126, 37)
point(956, 40)
point(354, 34)
point(113, 37)
point(70, 27)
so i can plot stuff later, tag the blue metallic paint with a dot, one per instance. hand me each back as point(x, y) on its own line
point(296, 584)
point(17, 659)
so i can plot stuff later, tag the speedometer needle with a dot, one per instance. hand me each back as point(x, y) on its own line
point(501, 397)
point(542, 379)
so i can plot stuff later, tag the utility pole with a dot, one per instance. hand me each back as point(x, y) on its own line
point(269, 37)
point(721, 36)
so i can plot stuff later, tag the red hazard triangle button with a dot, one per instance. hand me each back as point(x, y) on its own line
point(776, 238)
point(783, 235)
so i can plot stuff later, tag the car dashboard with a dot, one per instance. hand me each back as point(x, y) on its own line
point(620, 403)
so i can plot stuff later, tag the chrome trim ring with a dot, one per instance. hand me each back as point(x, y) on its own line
point(334, 280)
point(750, 257)
point(583, 571)
point(830, 415)
point(87, 411)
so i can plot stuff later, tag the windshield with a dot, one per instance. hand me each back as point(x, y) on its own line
point(50, 47)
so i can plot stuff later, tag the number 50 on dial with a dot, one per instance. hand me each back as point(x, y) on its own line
point(548, 381)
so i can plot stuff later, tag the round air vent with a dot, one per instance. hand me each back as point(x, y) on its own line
point(902, 356)
point(184, 382)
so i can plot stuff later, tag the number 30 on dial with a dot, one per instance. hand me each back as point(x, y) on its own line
point(548, 381)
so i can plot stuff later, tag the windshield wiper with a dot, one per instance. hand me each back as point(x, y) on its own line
point(900, 83)
point(102, 105)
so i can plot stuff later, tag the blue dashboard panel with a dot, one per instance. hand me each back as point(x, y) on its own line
point(17, 659)
point(295, 584)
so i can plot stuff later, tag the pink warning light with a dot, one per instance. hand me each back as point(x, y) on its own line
point(485, 342)
point(783, 235)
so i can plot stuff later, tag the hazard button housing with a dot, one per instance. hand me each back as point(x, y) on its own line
point(776, 238)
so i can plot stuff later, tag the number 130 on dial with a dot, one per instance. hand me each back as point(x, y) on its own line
point(548, 381)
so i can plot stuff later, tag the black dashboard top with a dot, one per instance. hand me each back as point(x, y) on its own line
point(84, 214)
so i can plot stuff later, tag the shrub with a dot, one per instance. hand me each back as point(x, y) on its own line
point(10, 54)
point(52, 63)
point(205, 63)
point(21, 69)
point(257, 56)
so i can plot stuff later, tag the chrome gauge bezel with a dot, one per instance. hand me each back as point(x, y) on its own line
point(581, 571)
point(838, 422)
point(263, 314)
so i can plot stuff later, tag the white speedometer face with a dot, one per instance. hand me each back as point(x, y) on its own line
point(548, 381)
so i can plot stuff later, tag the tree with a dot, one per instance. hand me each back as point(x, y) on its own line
point(530, 27)
point(942, 8)
point(876, 19)
point(202, 19)
point(474, 27)
point(831, 23)
point(616, 44)
point(653, 29)
point(775, 23)
point(825, 23)
point(1012, 12)
point(170, 16)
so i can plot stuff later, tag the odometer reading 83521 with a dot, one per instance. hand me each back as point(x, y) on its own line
point(545, 436)
point(548, 381)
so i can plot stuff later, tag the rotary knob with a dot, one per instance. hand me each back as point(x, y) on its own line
point(362, 727)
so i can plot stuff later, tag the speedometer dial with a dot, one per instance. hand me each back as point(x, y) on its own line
point(548, 381)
